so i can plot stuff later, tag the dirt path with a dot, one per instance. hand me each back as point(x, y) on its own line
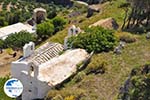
point(5, 60)
point(5, 70)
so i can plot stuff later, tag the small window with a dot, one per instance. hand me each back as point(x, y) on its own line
point(31, 47)
point(76, 31)
point(71, 30)
point(32, 69)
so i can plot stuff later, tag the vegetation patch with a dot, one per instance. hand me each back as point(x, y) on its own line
point(50, 27)
point(65, 94)
point(126, 37)
point(138, 84)
point(14, 11)
point(18, 40)
point(94, 39)
point(3, 96)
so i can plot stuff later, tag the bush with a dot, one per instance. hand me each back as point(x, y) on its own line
point(126, 37)
point(18, 40)
point(59, 23)
point(3, 96)
point(95, 39)
point(9, 51)
point(45, 29)
point(137, 87)
point(140, 87)
point(78, 77)
point(51, 14)
point(2, 21)
point(1, 43)
point(96, 66)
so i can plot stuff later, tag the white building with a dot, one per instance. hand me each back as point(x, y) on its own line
point(40, 70)
point(72, 31)
point(15, 28)
point(39, 14)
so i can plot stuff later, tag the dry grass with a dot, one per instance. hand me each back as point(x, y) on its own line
point(5, 60)
point(106, 86)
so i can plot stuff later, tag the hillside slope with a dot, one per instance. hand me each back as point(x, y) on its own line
point(105, 86)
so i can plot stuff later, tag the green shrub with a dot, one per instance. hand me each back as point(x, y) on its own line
point(9, 51)
point(45, 29)
point(18, 40)
point(96, 66)
point(78, 77)
point(141, 84)
point(51, 14)
point(3, 96)
point(138, 85)
point(95, 39)
point(1, 43)
point(3, 21)
point(59, 23)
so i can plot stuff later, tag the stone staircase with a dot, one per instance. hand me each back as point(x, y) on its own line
point(45, 53)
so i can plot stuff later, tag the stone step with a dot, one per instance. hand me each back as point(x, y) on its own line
point(50, 52)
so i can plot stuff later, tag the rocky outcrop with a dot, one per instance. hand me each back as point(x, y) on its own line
point(92, 9)
point(109, 23)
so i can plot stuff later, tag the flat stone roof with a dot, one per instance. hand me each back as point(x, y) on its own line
point(44, 53)
point(15, 28)
point(60, 68)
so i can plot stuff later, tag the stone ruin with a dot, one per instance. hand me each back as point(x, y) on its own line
point(92, 9)
point(72, 31)
point(39, 14)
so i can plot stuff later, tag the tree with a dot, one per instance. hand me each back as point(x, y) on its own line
point(2, 21)
point(51, 14)
point(139, 16)
point(94, 39)
point(59, 23)
point(45, 29)
point(18, 40)
point(1, 43)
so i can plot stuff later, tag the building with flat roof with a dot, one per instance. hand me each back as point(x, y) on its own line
point(46, 67)
point(15, 28)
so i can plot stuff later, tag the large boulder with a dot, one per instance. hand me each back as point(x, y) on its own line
point(108, 23)
point(92, 9)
